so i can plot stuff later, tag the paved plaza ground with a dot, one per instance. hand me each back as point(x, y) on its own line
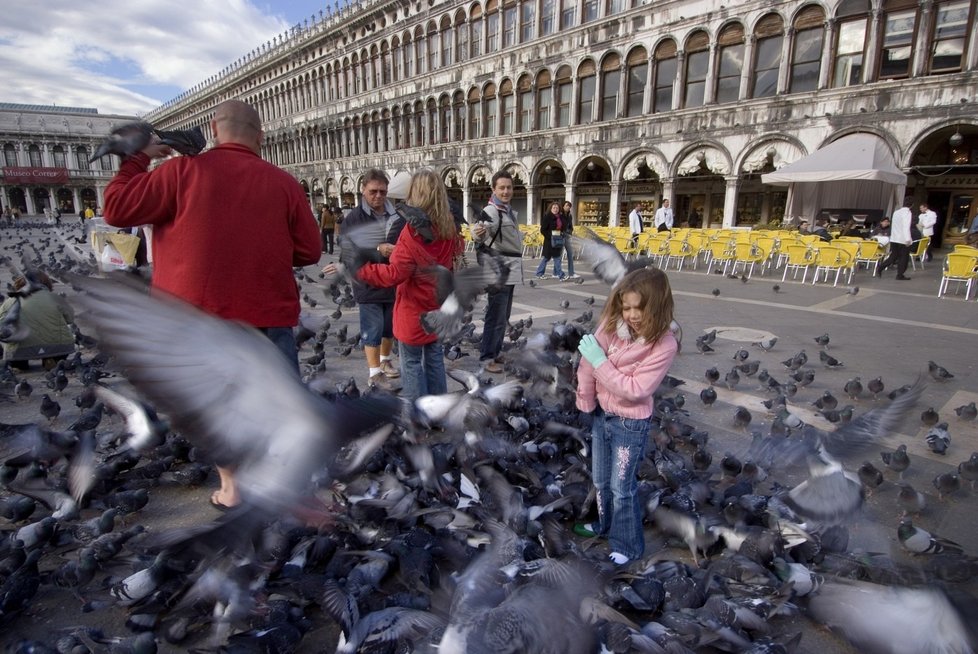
point(888, 328)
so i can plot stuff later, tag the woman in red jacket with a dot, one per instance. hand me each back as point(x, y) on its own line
point(430, 239)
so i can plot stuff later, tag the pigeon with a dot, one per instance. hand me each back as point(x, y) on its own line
point(946, 483)
point(875, 386)
point(125, 140)
point(938, 439)
point(188, 142)
point(918, 541)
point(50, 409)
point(742, 417)
point(606, 261)
point(708, 395)
point(870, 476)
point(766, 344)
point(213, 390)
point(703, 346)
point(712, 375)
point(826, 402)
point(457, 292)
point(929, 417)
point(853, 290)
point(732, 378)
point(897, 460)
point(796, 362)
point(828, 360)
point(823, 341)
point(716, 292)
point(853, 388)
point(910, 500)
point(938, 373)
point(967, 412)
point(968, 470)
point(741, 355)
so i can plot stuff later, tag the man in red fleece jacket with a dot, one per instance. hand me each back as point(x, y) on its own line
point(228, 228)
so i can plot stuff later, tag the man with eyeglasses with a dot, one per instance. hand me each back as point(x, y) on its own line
point(377, 304)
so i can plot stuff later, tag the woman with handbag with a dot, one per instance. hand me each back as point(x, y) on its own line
point(552, 227)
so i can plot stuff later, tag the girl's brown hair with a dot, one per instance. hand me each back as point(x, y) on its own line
point(428, 193)
point(652, 285)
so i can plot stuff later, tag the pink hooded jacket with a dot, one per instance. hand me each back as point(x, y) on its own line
point(624, 384)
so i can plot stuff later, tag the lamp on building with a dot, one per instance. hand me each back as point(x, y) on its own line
point(548, 169)
point(956, 139)
point(591, 166)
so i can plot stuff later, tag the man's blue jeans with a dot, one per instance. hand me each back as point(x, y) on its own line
point(284, 340)
point(498, 309)
point(617, 447)
point(422, 370)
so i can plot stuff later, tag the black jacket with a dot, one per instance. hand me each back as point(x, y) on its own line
point(362, 292)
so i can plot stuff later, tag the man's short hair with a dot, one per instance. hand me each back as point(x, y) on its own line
point(908, 202)
point(501, 174)
point(375, 175)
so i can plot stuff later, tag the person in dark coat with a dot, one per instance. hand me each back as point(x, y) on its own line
point(552, 229)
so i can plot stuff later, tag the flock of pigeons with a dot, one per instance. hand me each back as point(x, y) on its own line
point(443, 525)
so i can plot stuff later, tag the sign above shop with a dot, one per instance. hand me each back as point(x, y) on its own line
point(28, 175)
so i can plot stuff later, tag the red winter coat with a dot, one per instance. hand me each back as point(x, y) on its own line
point(415, 293)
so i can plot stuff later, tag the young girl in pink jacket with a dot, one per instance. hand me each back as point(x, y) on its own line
point(622, 365)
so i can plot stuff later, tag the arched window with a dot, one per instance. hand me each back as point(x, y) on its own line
point(568, 14)
point(731, 63)
point(34, 156)
point(850, 49)
point(544, 100)
point(548, 17)
point(408, 57)
point(767, 56)
point(357, 75)
point(610, 83)
point(524, 89)
point(434, 46)
point(475, 31)
point(587, 81)
point(461, 37)
point(58, 153)
point(9, 155)
point(397, 128)
point(375, 74)
point(431, 118)
point(81, 157)
point(806, 53)
point(697, 65)
point(492, 26)
point(475, 114)
point(490, 110)
point(664, 75)
point(458, 108)
point(899, 31)
point(105, 163)
point(563, 94)
point(950, 38)
point(447, 42)
point(445, 119)
point(638, 73)
point(386, 70)
point(528, 15)
point(509, 23)
point(420, 51)
point(507, 107)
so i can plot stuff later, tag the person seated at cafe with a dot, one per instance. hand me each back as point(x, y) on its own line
point(821, 231)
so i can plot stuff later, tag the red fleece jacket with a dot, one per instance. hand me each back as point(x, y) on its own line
point(227, 229)
point(415, 289)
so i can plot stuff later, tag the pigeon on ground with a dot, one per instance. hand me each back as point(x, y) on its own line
point(875, 386)
point(708, 395)
point(853, 388)
point(939, 373)
point(732, 378)
point(826, 402)
point(766, 344)
point(939, 439)
point(946, 483)
point(918, 541)
point(712, 375)
point(930, 417)
point(967, 412)
point(828, 360)
point(910, 500)
point(125, 140)
point(823, 341)
point(968, 470)
point(897, 460)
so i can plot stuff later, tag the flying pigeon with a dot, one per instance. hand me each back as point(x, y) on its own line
point(187, 142)
point(125, 140)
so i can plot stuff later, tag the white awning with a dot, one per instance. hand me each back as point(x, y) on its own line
point(857, 156)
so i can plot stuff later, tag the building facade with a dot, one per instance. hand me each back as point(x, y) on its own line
point(611, 102)
point(46, 152)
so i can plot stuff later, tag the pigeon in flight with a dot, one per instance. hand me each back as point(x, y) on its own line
point(187, 142)
point(125, 140)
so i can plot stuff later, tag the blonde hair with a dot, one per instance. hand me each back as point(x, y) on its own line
point(428, 193)
point(652, 285)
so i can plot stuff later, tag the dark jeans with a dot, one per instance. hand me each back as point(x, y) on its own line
point(328, 240)
point(284, 340)
point(899, 254)
point(422, 370)
point(498, 309)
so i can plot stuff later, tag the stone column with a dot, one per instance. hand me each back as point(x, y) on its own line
point(785, 69)
point(466, 197)
point(872, 46)
point(710, 92)
point(679, 84)
point(828, 47)
point(532, 214)
point(76, 197)
point(921, 51)
point(730, 201)
point(29, 199)
point(970, 61)
point(749, 41)
point(667, 192)
point(99, 194)
point(614, 203)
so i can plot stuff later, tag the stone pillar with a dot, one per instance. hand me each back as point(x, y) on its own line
point(872, 46)
point(466, 198)
point(730, 201)
point(921, 51)
point(710, 92)
point(749, 41)
point(828, 47)
point(667, 192)
point(532, 212)
point(970, 61)
point(614, 203)
point(29, 199)
point(76, 197)
point(52, 198)
point(679, 84)
point(786, 58)
point(100, 197)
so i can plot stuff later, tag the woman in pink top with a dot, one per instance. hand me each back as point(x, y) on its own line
point(622, 365)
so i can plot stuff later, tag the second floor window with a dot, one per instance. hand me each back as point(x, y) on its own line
point(806, 60)
point(697, 64)
point(898, 34)
point(637, 74)
point(585, 109)
point(849, 53)
point(34, 154)
point(950, 36)
point(548, 14)
point(509, 27)
point(528, 14)
point(564, 94)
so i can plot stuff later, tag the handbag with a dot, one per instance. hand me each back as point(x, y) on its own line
point(557, 241)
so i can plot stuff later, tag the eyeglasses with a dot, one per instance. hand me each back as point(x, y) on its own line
point(376, 191)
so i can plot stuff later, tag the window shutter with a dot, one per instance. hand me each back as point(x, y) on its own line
point(770, 25)
point(731, 35)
